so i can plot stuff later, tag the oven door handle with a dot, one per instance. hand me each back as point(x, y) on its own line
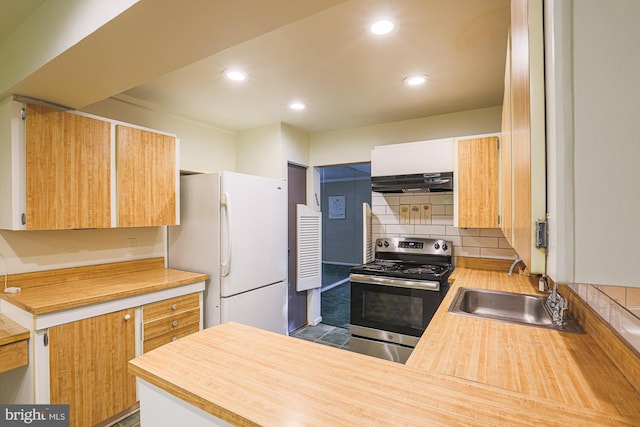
point(398, 283)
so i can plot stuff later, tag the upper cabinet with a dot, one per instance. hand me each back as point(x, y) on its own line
point(58, 171)
point(477, 196)
point(68, 170)
point(146, 178)
point(523, 138)
point(412, 158)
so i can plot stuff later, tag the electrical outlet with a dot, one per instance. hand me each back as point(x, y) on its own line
point(133, 245)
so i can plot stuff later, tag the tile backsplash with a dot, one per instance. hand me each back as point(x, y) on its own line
point(430, 215)
point(619, 306)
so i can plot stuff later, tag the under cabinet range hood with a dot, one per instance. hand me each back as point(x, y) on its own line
point(418, 182)
point(421, 166)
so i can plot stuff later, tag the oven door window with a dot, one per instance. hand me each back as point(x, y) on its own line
point(389, 308)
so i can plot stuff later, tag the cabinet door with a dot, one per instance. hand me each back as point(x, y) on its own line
point(506, 187)
point(527, 131)
point(88, 366)
point(146, 177)
point(68, 170)
point(478, 182)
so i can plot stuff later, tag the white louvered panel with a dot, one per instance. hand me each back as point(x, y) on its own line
point(367, 244)
point(309, 247)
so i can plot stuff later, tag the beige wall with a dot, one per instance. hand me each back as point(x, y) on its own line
point(202, 147)
point(259, 150)
point(295, 144)
point(26, 251)
point(266, 151)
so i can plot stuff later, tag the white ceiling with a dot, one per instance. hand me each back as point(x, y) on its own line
point(330, 61)
point(14, 13)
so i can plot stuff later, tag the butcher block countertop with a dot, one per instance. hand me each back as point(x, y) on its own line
point(465, 371)
point(55, 290)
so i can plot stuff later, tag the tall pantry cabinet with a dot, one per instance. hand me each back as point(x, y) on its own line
point(523, 174)
point(65, 170)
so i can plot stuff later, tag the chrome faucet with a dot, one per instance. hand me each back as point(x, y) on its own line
point(557, 306)
point(516, 261)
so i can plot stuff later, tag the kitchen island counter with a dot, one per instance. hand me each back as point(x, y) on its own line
point(247, 376)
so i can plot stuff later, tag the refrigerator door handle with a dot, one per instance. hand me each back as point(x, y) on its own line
point(225, 262)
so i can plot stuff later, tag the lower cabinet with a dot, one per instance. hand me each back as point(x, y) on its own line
point(168, 320)
point(88, 366)
point(81, 355)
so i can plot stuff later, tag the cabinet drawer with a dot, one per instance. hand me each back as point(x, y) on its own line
point(168, 324)
point(167, 338)
point(157, 310)
point(13, 355)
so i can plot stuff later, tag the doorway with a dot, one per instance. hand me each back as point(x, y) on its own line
point(344, 188)
point(297, 301)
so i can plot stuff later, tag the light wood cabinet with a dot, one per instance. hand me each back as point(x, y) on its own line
point(68, 170)
point(523, 137)
point(88, 366)
point(146, 178)
point(168, 320)
point(57, 172)
point(13, 355)
point(478, 192)
point(506, 187)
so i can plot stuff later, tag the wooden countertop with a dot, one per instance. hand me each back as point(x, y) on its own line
point(489, 373)
point(568, 368)
point(11, 332)
point(55, 290)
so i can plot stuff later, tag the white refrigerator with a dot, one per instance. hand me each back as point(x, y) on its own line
point(233, 227)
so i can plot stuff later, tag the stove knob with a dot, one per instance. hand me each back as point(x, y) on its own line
point(436, 245)
point(379, 243)
point(386, 244)
point(444, 246)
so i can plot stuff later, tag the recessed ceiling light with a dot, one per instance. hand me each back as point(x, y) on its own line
point(297, 105)
point(415, 80)
point(235, 75)
point(382, 27)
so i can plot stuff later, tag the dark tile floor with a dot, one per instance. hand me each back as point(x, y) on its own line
point(335, 295)
point(335, 306)
point(322, 333)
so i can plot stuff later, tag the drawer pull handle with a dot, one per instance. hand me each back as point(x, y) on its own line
point(174, 307)
point(175, 323)
point(127, 316)
point(174, 338)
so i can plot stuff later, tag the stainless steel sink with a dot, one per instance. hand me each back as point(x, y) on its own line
point(521, 309)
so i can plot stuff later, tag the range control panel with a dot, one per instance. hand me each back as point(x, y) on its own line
point(414, 245)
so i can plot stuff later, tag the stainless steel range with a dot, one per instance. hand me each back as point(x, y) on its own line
point(394, 297)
